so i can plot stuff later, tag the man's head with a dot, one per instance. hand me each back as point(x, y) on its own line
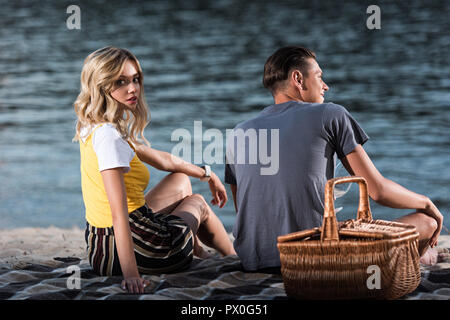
point(294, 73)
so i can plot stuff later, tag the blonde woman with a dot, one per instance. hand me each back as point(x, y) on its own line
point(128, 232)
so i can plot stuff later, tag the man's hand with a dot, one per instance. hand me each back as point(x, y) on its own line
point(218, 191)
point(434, 212)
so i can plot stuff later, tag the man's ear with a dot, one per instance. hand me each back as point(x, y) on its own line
point(297, 77)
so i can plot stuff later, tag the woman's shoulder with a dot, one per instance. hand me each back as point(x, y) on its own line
point(107, 139)
point(106, 129)
point(107, 132)
point(100, 131)
point(86, 131)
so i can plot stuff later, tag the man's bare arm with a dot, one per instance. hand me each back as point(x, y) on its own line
point(387, 192)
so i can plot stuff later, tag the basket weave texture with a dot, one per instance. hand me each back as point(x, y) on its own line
point(356, 259)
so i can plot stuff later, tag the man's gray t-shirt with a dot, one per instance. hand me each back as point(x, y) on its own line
point(273, 198)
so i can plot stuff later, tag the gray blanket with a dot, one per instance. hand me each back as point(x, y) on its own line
point(212, 279)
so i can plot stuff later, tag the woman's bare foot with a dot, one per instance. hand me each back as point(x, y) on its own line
point(199, 252)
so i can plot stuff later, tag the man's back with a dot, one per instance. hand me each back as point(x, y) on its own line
point(290, 199)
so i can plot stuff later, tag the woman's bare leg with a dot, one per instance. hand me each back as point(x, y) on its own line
point(168, 194)
point(425, 226)
point(201, 219)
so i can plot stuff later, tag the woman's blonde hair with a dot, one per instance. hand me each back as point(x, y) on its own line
point(95, 104)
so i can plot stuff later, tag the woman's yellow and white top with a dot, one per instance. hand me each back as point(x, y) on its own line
point(102, 148)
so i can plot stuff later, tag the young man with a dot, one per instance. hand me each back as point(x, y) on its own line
point(310, 135)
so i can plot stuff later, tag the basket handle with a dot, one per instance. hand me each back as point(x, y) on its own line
point(330, 224)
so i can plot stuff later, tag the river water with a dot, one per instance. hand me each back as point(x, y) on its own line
point(203, 61)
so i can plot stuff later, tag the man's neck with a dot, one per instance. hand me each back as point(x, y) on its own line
point(283, 97)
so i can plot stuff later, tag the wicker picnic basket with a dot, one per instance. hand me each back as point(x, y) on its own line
point(343, 262)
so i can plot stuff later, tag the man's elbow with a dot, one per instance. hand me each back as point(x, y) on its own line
point(375, 196)
point(377, 191)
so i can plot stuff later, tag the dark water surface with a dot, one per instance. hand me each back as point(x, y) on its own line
point(203, 60)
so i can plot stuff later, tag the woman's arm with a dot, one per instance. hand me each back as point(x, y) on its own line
point(387, 192)
point(116, 192)
point(165, 161)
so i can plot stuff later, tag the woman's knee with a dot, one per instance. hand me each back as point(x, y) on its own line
point(182, 183)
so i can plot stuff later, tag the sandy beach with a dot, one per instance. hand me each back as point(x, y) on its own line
point(40, 245)
point(27, 252)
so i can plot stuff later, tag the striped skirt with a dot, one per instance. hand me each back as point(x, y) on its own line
point(163, 243)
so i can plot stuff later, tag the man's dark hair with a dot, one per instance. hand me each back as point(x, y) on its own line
point(279, 64)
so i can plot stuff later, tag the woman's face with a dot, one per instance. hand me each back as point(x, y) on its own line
point(127, 88)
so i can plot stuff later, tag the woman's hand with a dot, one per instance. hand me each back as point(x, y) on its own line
point(434, 212)
point(135, 284)
point(218, 191)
